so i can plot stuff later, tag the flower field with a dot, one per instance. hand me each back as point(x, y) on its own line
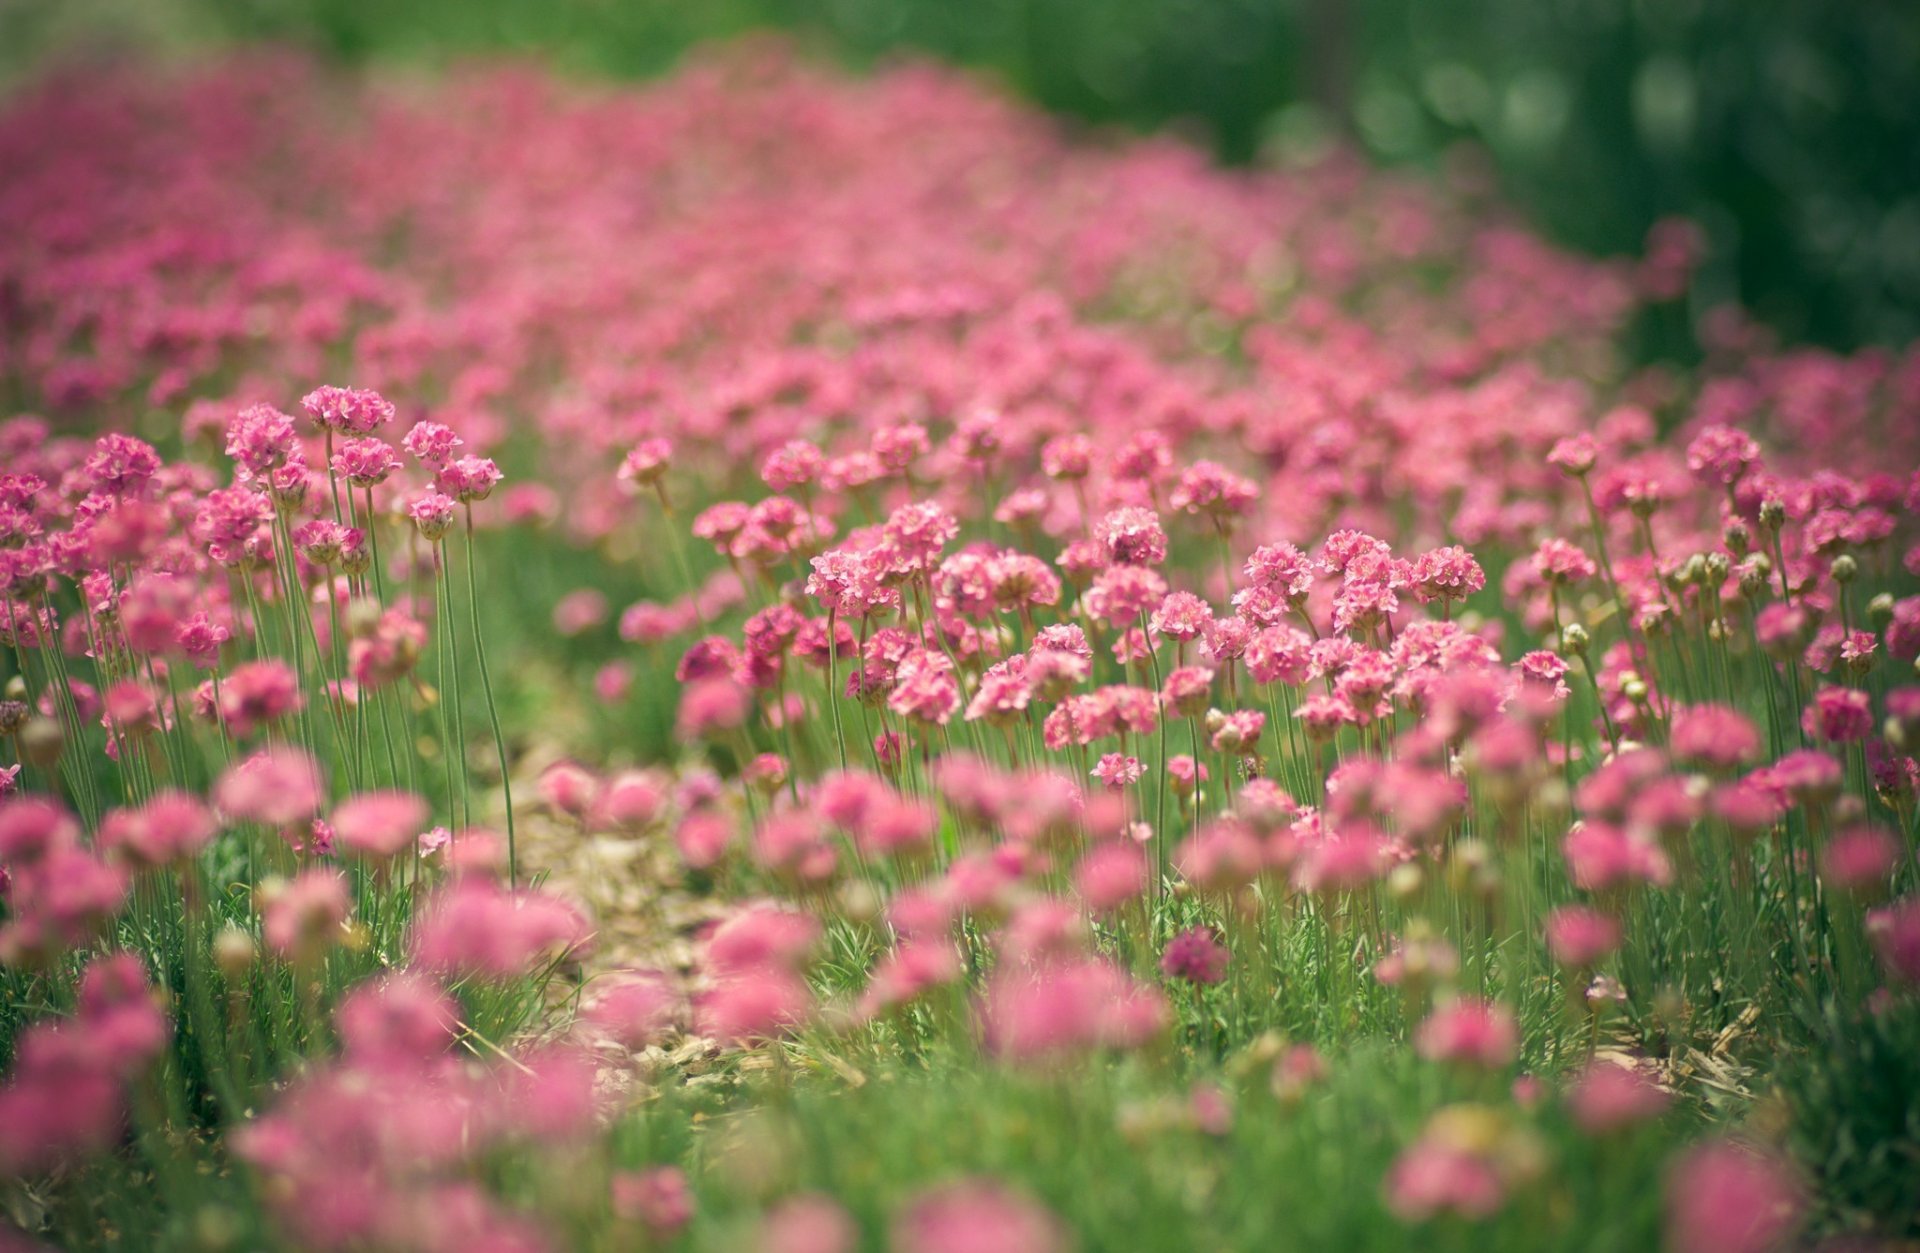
point(787, 662)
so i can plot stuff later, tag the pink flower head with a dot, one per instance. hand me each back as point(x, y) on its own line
point(1469, 1032)
point(365, 463)
point(301, 919)
point(1608, 1097)
point(469, 479)
point(1195, 956)
point(432, 444)
point(1064, 1008)
point(1447, 575)
point(657, 1198)
point(1860, 860)
point(1719, 455)
point(1117, 771)
point(1726, 1198)
point(976, 1216)
point(432, 514)
point(1558, 562)
point(1210, 489)
point(1579, 937)
point(261, 439)
point(349, 410)
point(1132, 537)
point(1713, 735)
point(1111, 874)
point(171, 826)
point(276, 787)
point(1575, 455)
point(401, 1019)
point(379, 825)
point(1895, 933)
point(646, 463)
point(807, 1223)
point(257, 694)
point(1839, 715)
point(762, 937)
point(1431, 1178)
point(476, 927)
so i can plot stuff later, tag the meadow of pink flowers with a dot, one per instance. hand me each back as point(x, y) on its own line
point(1208, 709)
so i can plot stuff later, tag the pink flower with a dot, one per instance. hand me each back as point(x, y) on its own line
point(397, 1020)
point(807, 1223)
point(646, 464)
point(1560, 562)
point(171, 826)
point(1839, 715)
point(1713, 735)
point(301, 919)
point(379, 825)
point(1472, 1032)
point(256, 694)
point(1132, 537)
point(431, 444)
point(1110, 875)
point(1065, 1008)
point(976, 1216)
point(1211, 489)
point(756, 1005)
point(276, 787)
point(1895, 933)
point(475, 927)
point(1608, 1097)
point(657, 1198)
point(1860, 860)
point(913, 968)
point(1195, 956)
point(1431, 1178)
point(1725, 1198)
point(1601, 856)
point(1579, 937)
point(1116, 771)
point(432, 514)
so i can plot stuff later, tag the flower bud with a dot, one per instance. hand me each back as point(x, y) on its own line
point(1773, 513)
point(233, 952)
point(42, 741)
point(1844, 569)
point(1574, 640)
point(1880, 610)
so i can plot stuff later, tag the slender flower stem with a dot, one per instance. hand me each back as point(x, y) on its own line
point(493, 709)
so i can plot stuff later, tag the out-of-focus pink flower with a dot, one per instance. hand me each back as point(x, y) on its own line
point(976, 1216)
point(1727, 1198)
point(1470, 1032)
point(379, 825)
point(1607, 1097)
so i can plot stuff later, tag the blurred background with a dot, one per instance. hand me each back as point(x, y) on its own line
point(1789, 130)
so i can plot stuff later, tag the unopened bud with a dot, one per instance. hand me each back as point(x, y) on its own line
point(1575, 639)
point(1737, 536)
point(1773, 513)
point(1880, 610)
point(233, 952)
point(1844, 569)
point(42, 741)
